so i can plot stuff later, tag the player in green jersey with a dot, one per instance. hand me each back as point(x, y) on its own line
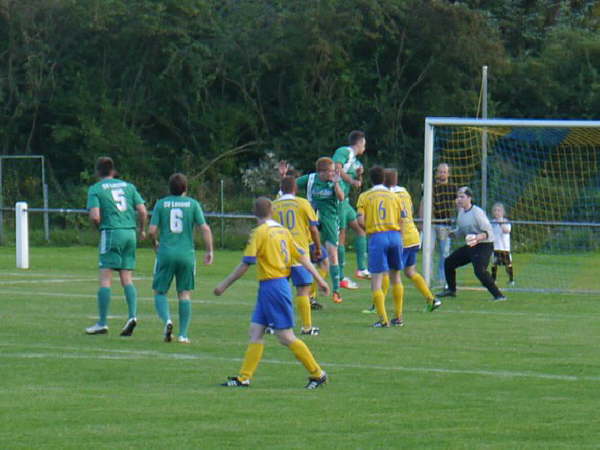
point(113, 205)
point(172, 231)
point(350, 169)
point(324, 192)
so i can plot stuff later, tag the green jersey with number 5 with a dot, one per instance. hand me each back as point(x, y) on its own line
point(176, 217)
point(117, 200)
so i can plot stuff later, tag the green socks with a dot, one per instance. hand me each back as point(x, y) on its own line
point(341, 259)
point(161, 305)
point(185, 314)
point(334, 273)
point(131, 298)
point(103, 302)
point(361, 252)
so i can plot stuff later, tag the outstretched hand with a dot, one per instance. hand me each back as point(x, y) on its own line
point(283, 167)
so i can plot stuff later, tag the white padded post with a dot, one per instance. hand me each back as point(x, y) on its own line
point(22, 235)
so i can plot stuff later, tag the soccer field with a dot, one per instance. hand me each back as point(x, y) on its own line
point(475, 374)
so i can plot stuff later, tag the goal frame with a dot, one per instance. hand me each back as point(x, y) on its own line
point(430, 124)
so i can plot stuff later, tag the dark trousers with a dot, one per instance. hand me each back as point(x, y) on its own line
point(479, 256)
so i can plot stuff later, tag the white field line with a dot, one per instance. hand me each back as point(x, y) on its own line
point(117, 293)
point(78, 353)
point(48, 281)
point(445, 309)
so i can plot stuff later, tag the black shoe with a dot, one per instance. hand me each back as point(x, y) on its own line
point(447, 293)
point(312, 331)
point(315, 305)
point(129, 327)
point(314, 383)
point(500, 298)
point(381, 324)
point(397, 322)
point(169, 332)
point(236, 382)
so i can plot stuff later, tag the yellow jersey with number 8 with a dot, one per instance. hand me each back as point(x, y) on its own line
point(273, 249)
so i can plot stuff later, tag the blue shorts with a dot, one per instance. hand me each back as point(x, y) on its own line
point(274, 304)
point(323, 257)
point(385, 251)
point(409, 256)
point(301, 276)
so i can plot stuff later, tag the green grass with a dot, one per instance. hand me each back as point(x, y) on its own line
point(475, 374)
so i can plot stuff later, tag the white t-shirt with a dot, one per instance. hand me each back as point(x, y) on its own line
point(501, 236)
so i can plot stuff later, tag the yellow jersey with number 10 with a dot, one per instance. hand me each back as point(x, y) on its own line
point(381, 209)
point(296, 214)
point(273, 249)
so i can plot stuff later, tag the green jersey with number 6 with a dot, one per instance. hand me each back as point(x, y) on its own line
point(117, 200)
point(176, 217)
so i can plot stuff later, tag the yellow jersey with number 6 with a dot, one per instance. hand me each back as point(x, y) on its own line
point(273, 249)
point(381, 209)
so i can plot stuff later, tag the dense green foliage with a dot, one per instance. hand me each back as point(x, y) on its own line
point(207, 86)
point(521, 374)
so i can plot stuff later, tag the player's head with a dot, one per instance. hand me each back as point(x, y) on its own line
point(105, 167)
point(464, 197)
point(390, 177)
point(442, 172)
point(357, 140)
point(498, 210)
point(288, 184)
point(325, 168)
point(377, 175)
point(178, 184)
point(263, 208)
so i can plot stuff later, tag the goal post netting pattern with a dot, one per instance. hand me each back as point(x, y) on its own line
point(547, 175)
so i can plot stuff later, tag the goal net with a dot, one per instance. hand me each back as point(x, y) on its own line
point(546, 174)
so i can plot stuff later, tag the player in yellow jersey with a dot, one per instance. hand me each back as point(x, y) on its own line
point(380, 213)
point(298, 216)
point(273, 249)
point(411, 241)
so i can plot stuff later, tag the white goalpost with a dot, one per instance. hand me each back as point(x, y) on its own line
point(546, 173)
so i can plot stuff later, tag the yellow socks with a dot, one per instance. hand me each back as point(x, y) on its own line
point(303, 306)
point(252, 357)
point(304, 355)
point(398, 293)
point(379, 302)
point(385, 284)
point(421, 285)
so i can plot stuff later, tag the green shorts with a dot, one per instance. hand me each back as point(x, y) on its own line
point(182, 267)
point(347, 214)
point(330, 229)
point(117, 249)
